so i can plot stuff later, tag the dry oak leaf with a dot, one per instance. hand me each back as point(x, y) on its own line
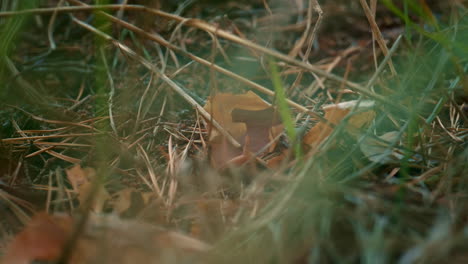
point(241, 115)
point(334, 114)
point(81, 181)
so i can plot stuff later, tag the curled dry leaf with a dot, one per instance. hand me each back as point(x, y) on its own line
point(105, 239)
point(81, 181)
point(243, 116)
point(334, 114)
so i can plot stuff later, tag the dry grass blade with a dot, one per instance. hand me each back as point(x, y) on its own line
point(53, 144)
point(50, 28)
point(57, 122)
point(249, 44)
point(202, 61)
point(381, 67)
point(111, 94)
point(15, 205)
point(163, 76)
point(224, 34)
point(28, 138)
point(48, 150)
point(309, 33)
point(30, 92)
point(66, 9)
point(151, 172)
point(376, 33)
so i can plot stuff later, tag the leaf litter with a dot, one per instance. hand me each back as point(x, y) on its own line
point(161, 201)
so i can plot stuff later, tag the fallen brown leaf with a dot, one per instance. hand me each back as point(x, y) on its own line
point(42, 239)
point(242, 115)
point(106, 239)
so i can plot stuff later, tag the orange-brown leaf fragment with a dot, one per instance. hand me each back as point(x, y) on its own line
point(42, 239)
point(105, 239)
point(259, 126)
point(81, 180)
point(334, 114)
point(241, 115)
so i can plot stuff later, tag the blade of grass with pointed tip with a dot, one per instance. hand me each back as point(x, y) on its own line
point(284, 111)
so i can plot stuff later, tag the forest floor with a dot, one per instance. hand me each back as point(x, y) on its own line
point(234, 131)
